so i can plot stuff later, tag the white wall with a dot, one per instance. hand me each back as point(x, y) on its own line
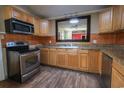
point(2, 74)
point(94, 24)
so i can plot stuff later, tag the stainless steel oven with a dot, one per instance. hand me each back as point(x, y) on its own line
point(29, 61)
point(22, 62)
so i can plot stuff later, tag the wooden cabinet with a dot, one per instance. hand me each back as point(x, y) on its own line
point(105, 20)
point(41, 27)
point(72, 58)
point(116, 17)
point(44, 56)
point(44, 27)
point(29, 19)
point(93, 61)
point(52, 56)
point(37, 26)
point(117, 74)
point(18, 14)
point(12, 12)
point(117, 79)
point(111, 19)
point(61, 58)
point(83, 60)
point(122, 16)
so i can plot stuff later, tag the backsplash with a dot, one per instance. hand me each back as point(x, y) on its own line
point(117, 38)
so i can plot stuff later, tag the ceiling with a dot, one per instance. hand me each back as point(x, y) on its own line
point(51, 11)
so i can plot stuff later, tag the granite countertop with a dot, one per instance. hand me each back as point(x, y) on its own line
point(114, 51)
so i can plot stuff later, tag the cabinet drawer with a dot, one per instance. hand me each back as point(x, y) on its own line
point(71, 50)
point(52, 49)
point(83, 51)
point(61, 50)
point(44, 49)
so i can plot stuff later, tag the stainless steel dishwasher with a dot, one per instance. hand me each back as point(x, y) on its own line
point(106, 70)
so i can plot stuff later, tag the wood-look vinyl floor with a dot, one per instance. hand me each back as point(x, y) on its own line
point(51, 77)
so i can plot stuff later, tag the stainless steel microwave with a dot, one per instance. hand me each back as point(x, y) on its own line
point(13, 25)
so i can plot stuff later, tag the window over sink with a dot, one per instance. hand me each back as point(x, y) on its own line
point(73, 29)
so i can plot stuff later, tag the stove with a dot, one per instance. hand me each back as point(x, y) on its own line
point(22, 61)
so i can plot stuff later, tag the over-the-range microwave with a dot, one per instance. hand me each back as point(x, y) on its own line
point(13, 25)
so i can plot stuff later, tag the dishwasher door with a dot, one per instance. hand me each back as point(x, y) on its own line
point(106, 70)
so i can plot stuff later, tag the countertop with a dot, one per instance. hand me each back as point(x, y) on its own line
point(114, 51)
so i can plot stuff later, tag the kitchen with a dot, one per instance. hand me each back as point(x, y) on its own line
point(62, 46)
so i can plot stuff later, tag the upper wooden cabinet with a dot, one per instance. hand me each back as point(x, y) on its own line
point(11, 12)
point(37, 26)
point(41, 27)
point(122, 17)
point(111, 19)
point(105, 20)
point(116, 18)
point(44, 27)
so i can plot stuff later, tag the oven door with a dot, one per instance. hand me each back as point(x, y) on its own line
point(29, 61)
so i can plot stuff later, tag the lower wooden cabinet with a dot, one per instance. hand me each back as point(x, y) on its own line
point(83, 60)
point(117, 74)
point(93, 61)
point(44, 56)
point(117, 79)
point(52, 56)
point(61, 58)
point(72, 59)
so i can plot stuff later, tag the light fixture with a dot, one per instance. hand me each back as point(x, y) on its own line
point(74, 21)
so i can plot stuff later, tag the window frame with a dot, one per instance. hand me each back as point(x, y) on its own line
point(88, 17)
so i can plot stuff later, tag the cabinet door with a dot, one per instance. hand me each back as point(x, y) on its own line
point(44, 27)
point(18, 14)
point(117, 79)
point(93, 61)
point(52, 57)
point(44, 56)
point(29, 19)
point(122, 16)
point(72, 60)
point(105, 20)
point(61, 58)
point(37, 26)
point(116, 17)
point(83, 59)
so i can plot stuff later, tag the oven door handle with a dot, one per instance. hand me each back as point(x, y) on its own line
point(30, 53)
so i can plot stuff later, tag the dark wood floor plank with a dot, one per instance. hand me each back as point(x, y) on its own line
point(51, 77)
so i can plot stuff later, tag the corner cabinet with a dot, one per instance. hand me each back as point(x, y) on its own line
point(117, 75)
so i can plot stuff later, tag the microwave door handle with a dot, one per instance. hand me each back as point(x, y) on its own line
point(21, 23)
